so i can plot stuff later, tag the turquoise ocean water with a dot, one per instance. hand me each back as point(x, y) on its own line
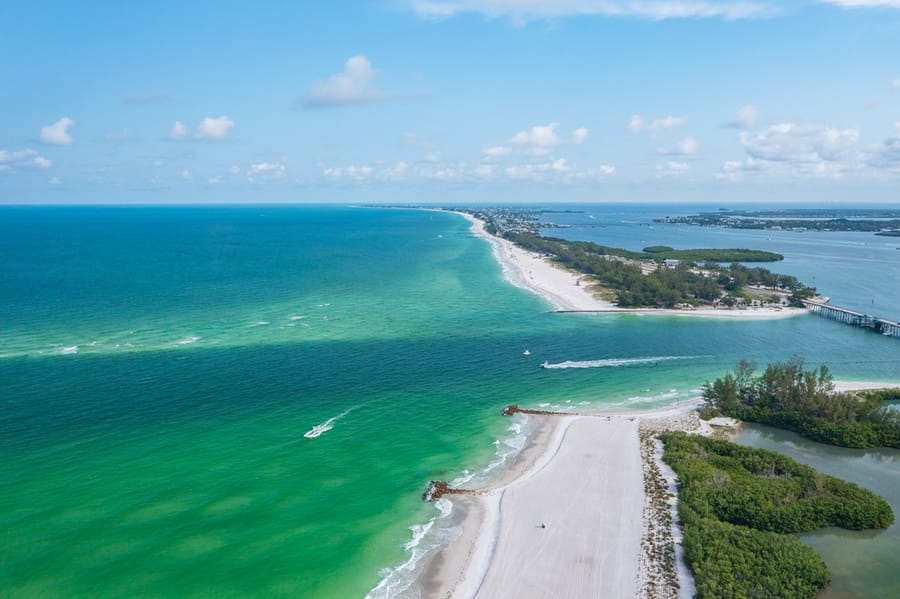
point(159, 368)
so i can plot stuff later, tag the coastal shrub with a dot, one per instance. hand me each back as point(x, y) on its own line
point(740, 562)
point(738, 502)
point(707, 413)
point(787, 396)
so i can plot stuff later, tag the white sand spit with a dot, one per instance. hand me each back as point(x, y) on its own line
point(569, 291)
point(570, 526)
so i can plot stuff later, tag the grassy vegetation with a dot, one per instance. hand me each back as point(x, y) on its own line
point(737, 503)
point(787, 396)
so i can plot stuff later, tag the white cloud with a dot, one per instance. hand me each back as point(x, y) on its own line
point(214, 128)
point(55, 181)
point(733, 170)
point(746, 118)
point(579, 135)
point(788, 142)
point(538, 171)
point(525, 10)
point(26, 158)
point(895, 85)
point(210, 129)
point(186, 174)
point(214, 180)
point(864, 3)
point(539, 140)
point(496, 151)
point(235, 169)
point(547, 171)
point(178, 131)
point(484, 170)
point(672, 169)
point(797, 150)
point(260, 172)
point(639, 124)
point(686, 147)
point(58, 132)
point(353, 172)
point(354, 85)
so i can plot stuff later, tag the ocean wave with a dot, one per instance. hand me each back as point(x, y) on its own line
point(612, 362)
point(396, 580)
point(439, 531)
point(72, 349)
point(326, 426)
point(187, 341)
point(667, 395)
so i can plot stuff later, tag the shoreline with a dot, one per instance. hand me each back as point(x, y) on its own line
point(586, 477)
point(563, 289)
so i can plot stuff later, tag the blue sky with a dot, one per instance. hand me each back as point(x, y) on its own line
point(450, 101)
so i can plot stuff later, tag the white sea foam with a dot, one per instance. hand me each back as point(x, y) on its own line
point(260, 323)
point(296, 318)
point(72, 349)
point(671, 394)
point(437, 532)
point(424, 541)
point(419, 531)
point(326, 426)
point(187, 341)
point(612, 362)
point(462, 479)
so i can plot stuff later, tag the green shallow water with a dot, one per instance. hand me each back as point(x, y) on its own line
point(160, 367)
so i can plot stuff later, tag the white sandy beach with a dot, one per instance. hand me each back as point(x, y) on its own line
point(569, 291)
point(567, 519)
point(581, 477)
point(569, 526)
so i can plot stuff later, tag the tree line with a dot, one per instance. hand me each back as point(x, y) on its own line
point(788, 396)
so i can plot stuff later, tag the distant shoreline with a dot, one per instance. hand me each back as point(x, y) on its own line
point(571, 292)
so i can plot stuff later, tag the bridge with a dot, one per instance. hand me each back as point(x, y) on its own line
point(884, 326)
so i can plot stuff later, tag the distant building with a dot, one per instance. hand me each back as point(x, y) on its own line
point(672, 263)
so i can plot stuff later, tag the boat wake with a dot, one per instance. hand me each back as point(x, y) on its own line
point(611, 362)
point(326, 426)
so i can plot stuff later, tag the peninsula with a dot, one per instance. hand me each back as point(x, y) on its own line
point(883, 222)
point(587, 277)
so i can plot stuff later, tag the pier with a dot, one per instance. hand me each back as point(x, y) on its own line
point(884, 326)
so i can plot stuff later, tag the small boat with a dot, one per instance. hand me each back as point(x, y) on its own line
point(526, 353)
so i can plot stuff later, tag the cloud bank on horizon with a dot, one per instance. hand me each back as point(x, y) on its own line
point(526, 100)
